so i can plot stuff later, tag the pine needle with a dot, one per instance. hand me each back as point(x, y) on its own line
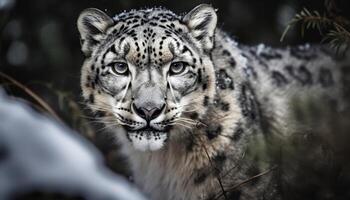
point(333, 29)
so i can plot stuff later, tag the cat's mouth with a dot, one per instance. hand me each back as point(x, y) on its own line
point(147, 139)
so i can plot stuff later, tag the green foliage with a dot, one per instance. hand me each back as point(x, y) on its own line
point(334, 29)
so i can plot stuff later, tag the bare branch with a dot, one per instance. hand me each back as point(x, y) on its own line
point(36, 97)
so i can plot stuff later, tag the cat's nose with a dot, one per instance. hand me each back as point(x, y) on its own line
point(148, 113)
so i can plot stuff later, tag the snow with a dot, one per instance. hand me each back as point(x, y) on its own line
point(260, 49)
point(37, 153)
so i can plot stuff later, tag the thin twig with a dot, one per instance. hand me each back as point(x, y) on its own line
point(253, 177)
point(36, 97)
point(249, 179)
point(218, 176)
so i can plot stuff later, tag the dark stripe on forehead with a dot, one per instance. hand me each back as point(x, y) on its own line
point(185, 49)
point(171, 48)
point(121, 51)
point(113, 49)
point(126, 49)
point(121, 40)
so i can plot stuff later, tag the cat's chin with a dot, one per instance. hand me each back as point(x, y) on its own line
point(148, 140)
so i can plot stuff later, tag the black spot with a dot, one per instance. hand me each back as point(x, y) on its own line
point(128, 136)
point(225, 52)
point(279, 79)
point(153, 24)
point(185, 49)
point(224, 106)
point(123, 88)
point(199, 79)
point(223, 80)
point(206, 101)
point(92, 67)
point(189, 144)
point(248, 103)
point(204, 86)
point(302, 74)
point(232, 62)
point(121, 40)
point(325, 77)
point(219, 161)
point(91, 98)
point(237, 134)
point(213, 131)
point(194, 115)
point(200, 176)
point(113, 49)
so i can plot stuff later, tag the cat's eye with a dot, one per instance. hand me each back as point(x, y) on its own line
point(120, 68)
point(177, 67)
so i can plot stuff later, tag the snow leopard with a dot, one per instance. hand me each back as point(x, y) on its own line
point(185, 100)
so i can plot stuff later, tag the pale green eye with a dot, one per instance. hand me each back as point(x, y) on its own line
point(177, 67)
point(120, 68)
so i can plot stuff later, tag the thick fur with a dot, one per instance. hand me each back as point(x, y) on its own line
point(239, 95)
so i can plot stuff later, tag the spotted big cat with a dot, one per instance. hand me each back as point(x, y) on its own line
point(185, 101)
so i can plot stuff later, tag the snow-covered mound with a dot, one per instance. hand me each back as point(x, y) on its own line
point(38, 154)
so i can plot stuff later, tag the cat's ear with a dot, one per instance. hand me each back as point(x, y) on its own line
point(92, 25)
point(201, 22)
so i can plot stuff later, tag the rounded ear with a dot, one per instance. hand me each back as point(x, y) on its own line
point(92, 24)
point(201, 22)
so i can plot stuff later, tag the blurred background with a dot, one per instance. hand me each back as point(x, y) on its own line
point(39, 46)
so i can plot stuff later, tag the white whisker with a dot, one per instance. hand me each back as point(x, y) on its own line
point(125, 92)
